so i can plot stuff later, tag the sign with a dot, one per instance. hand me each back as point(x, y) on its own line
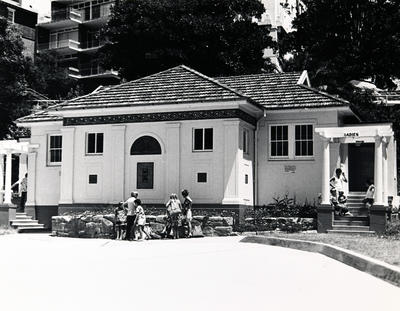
point(351, 134)
point(290, 168)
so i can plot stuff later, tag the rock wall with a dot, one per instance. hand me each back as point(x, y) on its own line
point(88, 225)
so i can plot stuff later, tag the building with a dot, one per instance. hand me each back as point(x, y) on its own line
point(73, 33)
point(234, 142)
point(24, 17)
point(279, 16)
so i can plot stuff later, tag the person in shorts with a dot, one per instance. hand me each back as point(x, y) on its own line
point(130, 215)
point(187, 211)
point(140, 219)
point(120, 222)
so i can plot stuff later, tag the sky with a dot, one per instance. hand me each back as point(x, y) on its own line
point(41, 6)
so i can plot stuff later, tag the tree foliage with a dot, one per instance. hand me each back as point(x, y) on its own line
point(213, 36)
point(341, 40)
point(12, 78)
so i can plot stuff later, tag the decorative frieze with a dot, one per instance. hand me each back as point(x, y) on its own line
point(162, 117)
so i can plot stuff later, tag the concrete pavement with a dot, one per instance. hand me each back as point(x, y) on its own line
point(38, 272)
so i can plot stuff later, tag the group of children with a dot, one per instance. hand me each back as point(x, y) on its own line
point(130, 218)
point(338, 197)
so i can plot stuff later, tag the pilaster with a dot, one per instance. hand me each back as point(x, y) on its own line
point(118, 162)
point(173, 158)
point(67, 166)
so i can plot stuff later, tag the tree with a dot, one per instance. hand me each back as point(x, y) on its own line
point(215, 37)
point(12, 78)
point(341, 40)
point(47, 77)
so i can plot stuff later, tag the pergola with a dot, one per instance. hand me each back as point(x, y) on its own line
point(7, 149)
point(379, 134)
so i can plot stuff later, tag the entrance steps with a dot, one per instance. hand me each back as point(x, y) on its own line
point(25, 224)
point(358, 223)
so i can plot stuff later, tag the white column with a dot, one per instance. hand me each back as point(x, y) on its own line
point(173, 157)
point(7, 196)
point(1, 177)
point(385, 182)
point(23, 165)
point(231, 162)
point(31, 195)
point(118, 162)
point(67, 166)
point(378, 171)
point(325, 171)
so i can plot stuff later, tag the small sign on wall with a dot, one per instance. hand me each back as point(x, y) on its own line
point(290, 168)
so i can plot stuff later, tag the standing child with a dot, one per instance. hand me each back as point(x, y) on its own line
point(187, 211)
point(120, 221)
point(140, 220)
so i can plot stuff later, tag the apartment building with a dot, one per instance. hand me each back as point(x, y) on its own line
point(73, 33)
point(24, 17)
point(279, 16)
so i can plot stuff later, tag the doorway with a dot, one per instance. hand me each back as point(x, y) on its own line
point(361, 165)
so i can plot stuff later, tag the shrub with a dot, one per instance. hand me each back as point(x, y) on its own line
point(393, 229)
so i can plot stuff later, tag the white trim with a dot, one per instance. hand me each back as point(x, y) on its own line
point(48, 153)
point(11, 10)
point(87, 153)
point(291, 142)
point(204, 139)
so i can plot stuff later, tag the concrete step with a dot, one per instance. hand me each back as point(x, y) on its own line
point(351, 232)
point(351, 222)
point(32, 230)
point(28, 225)
point(23, 220)
point(350, 228)
point(351, 218)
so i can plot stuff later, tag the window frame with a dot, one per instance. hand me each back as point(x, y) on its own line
point(11, 10)
point(203, 140)
point(270, 142)
point(307, 140)
point(49, 149)
point(245, 141)
point(291, 142)
point(87, 153)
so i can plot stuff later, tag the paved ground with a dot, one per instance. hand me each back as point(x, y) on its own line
point(38, 272)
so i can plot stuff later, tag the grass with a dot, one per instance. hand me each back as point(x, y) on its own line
point(385, 249)
point(6, 230)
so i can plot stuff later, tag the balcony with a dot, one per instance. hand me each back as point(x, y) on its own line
point(61, 46)
point(64, 18)
point(93, 71)
point(26, 32)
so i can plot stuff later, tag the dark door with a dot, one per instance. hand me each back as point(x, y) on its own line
point(145, 175)
point(361, 166)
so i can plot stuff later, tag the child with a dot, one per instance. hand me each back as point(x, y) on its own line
point(120, 221)
point(369, 196)
point(140, 220)
point(342, 200)
point(187, 211)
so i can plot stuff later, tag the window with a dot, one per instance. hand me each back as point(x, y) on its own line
point(246, 179)
point(245, 141)
point(54, 149)
point(145, 175)
point(203, 139)
point(10, 15)
point(145, 145)
point(279, 141)
point(94, 143)
point(201, 177)
point(92, 179)
point(304, 140)
point(291, 141)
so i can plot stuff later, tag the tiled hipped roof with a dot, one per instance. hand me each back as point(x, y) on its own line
point(281, 91)
point(184, 85)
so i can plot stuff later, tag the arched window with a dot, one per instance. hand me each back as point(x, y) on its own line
point(145, 145)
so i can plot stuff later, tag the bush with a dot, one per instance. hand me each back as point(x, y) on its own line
point(393, 229)
point(286, 207)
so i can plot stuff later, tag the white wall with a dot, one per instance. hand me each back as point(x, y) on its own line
point(305, 182)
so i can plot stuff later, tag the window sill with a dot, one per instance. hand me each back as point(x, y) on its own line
point(200, 151)
point(93, 154)
point(53, 165)
point(291, 159)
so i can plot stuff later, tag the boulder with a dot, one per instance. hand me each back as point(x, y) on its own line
point(208, 231)
point(156, 227)
point(223, 230)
